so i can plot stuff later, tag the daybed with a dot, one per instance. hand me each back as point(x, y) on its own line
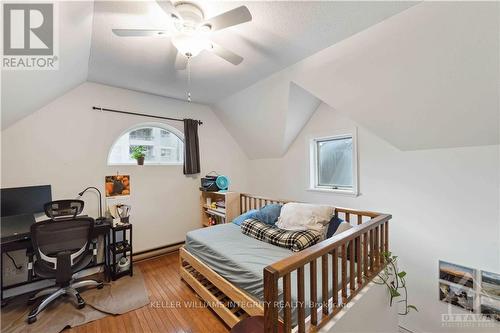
point(239, 276)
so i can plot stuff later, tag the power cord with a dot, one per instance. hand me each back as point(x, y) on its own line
point(13, 261)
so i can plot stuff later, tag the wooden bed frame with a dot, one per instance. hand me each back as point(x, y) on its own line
point(365, 242)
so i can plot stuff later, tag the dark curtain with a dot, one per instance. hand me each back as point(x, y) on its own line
point(191, 147)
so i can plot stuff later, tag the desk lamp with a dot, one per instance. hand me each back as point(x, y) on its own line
point(100, 219)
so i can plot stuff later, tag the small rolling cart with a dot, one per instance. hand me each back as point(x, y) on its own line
point(119, 252)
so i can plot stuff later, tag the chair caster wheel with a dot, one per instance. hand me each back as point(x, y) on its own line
point(31, 320)
point(100, 285)
point(81, 302)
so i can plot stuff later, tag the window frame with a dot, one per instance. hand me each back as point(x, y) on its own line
point(166, 127)
point(314, 165)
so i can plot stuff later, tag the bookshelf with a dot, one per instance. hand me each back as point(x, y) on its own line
point(225, 211)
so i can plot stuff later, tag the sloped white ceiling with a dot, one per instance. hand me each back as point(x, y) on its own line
point(266, 117)
point(280, 34)
point(256, 116)
point(24, 92)
point(301, 106)
point(425, 78)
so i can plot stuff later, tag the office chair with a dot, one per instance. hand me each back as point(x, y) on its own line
point(62, 249)
point(63, 209)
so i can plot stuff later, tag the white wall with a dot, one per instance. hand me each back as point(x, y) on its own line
point(66, 144)
point(370, 305)
point(444, 204)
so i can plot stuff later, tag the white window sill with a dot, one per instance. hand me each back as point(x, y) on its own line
point(350, 193)
point(146, 164)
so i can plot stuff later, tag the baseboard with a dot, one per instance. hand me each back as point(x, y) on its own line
point(157, 251)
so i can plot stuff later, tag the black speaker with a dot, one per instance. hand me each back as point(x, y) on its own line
point(208, 184)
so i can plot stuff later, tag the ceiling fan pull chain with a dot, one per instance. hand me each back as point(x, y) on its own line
point(189, 78)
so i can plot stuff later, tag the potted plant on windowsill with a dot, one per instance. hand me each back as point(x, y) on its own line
point(138, 153)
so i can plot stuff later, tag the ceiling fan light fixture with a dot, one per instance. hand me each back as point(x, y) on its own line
point(190, 30)
point(205, 28)
point(190, 45)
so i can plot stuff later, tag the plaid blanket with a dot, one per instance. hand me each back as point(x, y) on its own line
point(294, 240)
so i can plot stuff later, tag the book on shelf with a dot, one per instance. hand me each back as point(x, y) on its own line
point(215, 219)
point(216, 212)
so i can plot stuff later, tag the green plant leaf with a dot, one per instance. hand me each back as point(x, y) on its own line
point(394, 279)
point(395, 293)
point(412, 307)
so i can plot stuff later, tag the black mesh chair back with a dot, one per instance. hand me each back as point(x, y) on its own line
point(66, 240)
point(61, 209)
point(62, 248)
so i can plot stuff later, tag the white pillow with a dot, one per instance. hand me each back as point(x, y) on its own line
point(301, 216)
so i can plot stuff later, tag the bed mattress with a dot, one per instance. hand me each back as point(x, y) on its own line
point(238, 258)
point(241, 259)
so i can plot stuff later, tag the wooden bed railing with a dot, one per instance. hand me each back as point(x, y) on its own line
point(360, 247)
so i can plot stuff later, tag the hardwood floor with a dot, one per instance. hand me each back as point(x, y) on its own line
point(174, 305)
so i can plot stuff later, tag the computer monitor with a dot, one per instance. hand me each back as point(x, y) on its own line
point(24, 200)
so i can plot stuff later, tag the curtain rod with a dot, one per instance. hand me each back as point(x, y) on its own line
point(140, 114)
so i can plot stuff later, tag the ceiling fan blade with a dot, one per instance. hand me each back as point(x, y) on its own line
point(226, 54)
point(169, 8)
point(140, 32)
point(233, 17)
point(180, 61)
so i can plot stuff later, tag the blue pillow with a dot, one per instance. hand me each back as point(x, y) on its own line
point(269, 214)
point(333, 226)
point(245, 216)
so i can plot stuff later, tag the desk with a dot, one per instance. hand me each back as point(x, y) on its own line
point(18, 237)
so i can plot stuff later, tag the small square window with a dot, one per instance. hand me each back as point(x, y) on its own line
point(334, 164)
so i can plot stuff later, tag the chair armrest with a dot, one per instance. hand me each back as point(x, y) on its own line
point(31, 274)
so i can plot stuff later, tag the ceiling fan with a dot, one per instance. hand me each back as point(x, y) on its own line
point(190, 30)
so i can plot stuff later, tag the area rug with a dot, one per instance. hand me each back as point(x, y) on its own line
point(120, 296)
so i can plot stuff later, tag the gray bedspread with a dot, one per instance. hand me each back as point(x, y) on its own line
point(241, 259)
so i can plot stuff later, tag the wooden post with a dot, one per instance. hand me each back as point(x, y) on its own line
point(352, 275)
point(301, 317)
point(287, 292)
point(270, 300)
point(335, 277)
point(324, 283)
point(359, 268)
point(365, 254)
point(314, 292)
point(344, 273)
point(386, 229)
point(371, 252)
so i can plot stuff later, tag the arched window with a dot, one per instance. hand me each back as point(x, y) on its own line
point(164, 145)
